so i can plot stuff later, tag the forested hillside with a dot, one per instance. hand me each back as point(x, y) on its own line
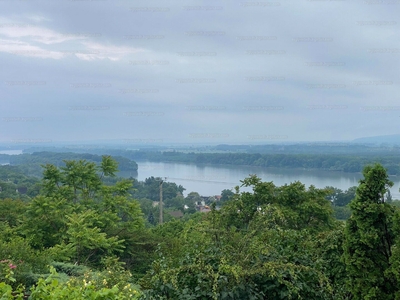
point(31, 163)
point(85, 236)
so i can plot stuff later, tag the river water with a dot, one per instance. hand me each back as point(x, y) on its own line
point(210, 180)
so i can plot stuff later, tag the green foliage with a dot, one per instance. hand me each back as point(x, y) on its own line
point(30, 164)
point(81, 177)
point(328, 248)
point(11, 211)
point(52, 287)
point(260, 245)
point(192, 197)
point(270, 243)
point(302, 208)
point(340, 198)
point(70, 269)
point(190, 201)
point(369, 238)
point(225, 264)
point(150, 189)
point(342, 212)
point(108, 166)
point(395, 203)
point(147, 192)
point(226, 195)
point(16, 251)
point(79, 218)
point(45, 221)
point(14, 184)
point(113, 282)
point(175, 203)
point(139, 252)
point(85, 239)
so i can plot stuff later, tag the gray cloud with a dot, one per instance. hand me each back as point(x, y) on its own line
point(201, 71)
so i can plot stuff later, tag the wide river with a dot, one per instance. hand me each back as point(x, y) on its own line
point(210, 180)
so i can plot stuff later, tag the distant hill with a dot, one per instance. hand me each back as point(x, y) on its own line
point(381, 139)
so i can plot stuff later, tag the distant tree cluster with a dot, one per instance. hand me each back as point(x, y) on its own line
point(31, 164)
point(329, 162)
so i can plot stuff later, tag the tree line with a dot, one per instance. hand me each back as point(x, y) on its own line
point(30, 163)
point(347, 158)
point(329, 162)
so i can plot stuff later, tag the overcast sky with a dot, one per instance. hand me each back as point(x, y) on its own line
point(198, 71)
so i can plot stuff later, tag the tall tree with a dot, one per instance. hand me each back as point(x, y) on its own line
point(369, 238)
point(303, 208)
point(60, 218)
point(226, 195)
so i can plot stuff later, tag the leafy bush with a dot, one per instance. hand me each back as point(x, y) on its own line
point(112, 283)
point(70, 269)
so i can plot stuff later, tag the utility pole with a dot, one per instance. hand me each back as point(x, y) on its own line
point(161, 201)
point(161, 204)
